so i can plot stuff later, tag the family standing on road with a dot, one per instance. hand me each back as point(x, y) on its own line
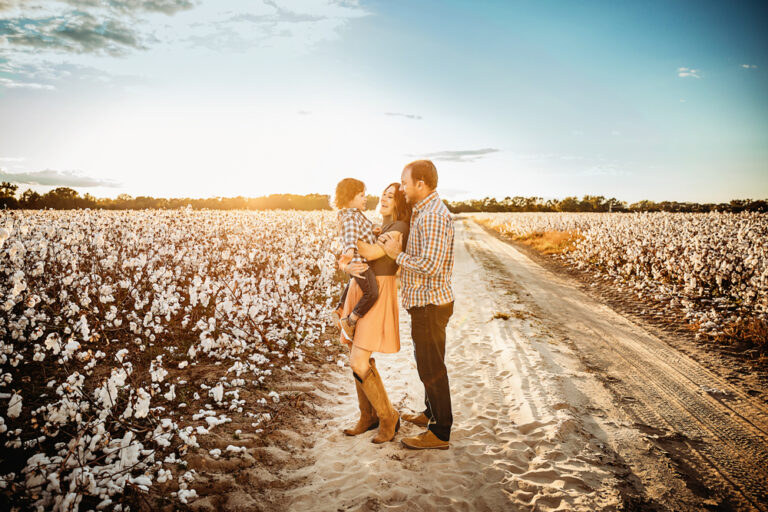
point(416, 238)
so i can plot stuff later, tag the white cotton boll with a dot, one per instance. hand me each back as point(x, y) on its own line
point(121, 354)
point(212, 422)
point(157, 371)
point(16, 248)
point(70, 502)
point(183, 364)
point(236, 449)
point(106, 502)
point(164, 475)
point(275, 397)
point(215, 453)
point(14, 406)
point(142, 403)
point(129, 451)
point(187, 494)
point(52, 343)
point(217, 392)
point(142, 481)
point(171, 394)
point(70, 348)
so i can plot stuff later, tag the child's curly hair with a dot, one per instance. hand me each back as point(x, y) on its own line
point(346, 190)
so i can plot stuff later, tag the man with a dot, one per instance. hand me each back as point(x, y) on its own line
point(426, 267)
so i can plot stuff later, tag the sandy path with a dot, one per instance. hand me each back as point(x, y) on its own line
point(564, 405)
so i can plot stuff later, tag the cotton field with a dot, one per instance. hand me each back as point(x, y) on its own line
point(712, 265)
point(97, 307)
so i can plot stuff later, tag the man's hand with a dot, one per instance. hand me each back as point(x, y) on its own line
point(392, 243)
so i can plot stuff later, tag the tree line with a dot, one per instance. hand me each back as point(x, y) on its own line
point(599, 204)
point(65, 198)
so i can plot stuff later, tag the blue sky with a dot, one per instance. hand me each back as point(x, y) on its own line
point(658, 100)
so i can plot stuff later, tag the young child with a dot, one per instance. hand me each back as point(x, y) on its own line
point(353, 226)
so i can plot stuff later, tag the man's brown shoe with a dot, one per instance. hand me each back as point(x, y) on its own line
point(347, 330)
point(426, 441)
point(419, 419)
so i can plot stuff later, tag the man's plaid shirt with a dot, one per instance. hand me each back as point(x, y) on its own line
point(427, 263)
point(354, 226)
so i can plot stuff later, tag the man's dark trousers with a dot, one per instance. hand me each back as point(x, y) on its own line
point(428, 332)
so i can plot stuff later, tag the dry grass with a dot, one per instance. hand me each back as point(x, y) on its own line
point(753, 331)
point(546, 242)
point(551, 242)
point(521, 315)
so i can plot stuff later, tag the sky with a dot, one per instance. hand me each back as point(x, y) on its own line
point(649, 99)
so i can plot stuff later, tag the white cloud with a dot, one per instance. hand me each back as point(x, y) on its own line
point(400, 114)
point(749, 66)
point(468, 155)
point(688, 72)
point(52, 177)
point(14, 84)
point(292, 26)
point(45, 41)
point(605, 170)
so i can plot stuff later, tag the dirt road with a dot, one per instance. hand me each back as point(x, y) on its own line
point(559, 404)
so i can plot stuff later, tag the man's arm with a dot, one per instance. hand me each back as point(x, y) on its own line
point(436, 231)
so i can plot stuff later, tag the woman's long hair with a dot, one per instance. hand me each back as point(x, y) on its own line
point(402, 210)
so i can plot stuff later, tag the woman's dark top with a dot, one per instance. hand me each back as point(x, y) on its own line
point(386, 266)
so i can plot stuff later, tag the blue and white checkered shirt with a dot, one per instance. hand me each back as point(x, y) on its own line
point(354, 226)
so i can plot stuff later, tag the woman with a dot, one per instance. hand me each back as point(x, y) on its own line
point(379, 329)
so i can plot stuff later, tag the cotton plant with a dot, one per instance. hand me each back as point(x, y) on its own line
point(712, 265)
point(100, 312)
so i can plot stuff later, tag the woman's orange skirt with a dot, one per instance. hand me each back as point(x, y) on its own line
point(379, 329)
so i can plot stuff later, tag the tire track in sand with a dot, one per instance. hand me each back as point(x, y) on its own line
point(717, 433)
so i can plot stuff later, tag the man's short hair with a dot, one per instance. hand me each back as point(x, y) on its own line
point(425, 171)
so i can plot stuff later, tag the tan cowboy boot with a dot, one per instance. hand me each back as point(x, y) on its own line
point(419, 419)
point(368, 419)
point(426, 441)
point(389, 419)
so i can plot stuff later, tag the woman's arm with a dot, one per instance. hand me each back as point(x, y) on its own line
point(369, 251)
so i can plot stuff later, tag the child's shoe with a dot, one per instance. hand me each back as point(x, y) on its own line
point(336, 317)
point(347, 329)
